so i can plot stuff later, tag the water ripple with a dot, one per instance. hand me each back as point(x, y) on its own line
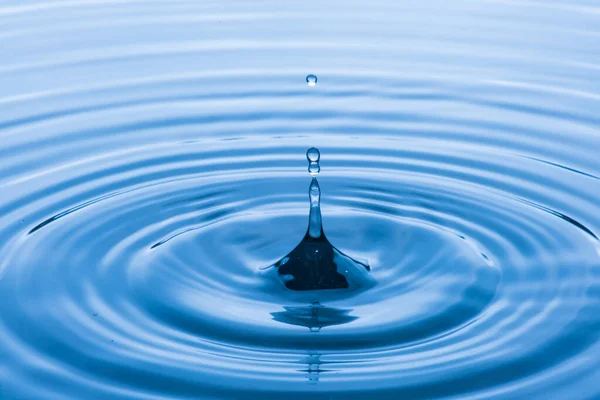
point(148, 177)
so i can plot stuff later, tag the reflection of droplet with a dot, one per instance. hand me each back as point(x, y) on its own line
point(311, 80)
point(314, 316)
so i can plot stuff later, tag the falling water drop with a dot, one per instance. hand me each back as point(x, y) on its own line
point(313, 156)
point(315, 264)
point(311, 80)
point(314, 169)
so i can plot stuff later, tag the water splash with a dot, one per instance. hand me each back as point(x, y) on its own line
point(315, 264)
point(315, 229)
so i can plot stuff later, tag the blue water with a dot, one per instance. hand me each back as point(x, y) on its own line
point(152, 161)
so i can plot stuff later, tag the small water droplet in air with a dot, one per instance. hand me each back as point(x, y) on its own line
point(311, 80)
point(313, 156)
point(314, 168)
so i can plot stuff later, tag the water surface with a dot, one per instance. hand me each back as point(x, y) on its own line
point(152, 160)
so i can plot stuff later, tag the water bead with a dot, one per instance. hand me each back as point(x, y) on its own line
point(313, 154)
point(311, 80)
point(314, 168)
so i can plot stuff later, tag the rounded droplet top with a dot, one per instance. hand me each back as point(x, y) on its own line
point(311, 80)
point(313, 154)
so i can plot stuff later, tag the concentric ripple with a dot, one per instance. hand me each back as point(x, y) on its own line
point(153, 160)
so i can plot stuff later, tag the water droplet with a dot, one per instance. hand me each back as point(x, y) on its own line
point(313, 154)
point(311, 80)
point(314, 169)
